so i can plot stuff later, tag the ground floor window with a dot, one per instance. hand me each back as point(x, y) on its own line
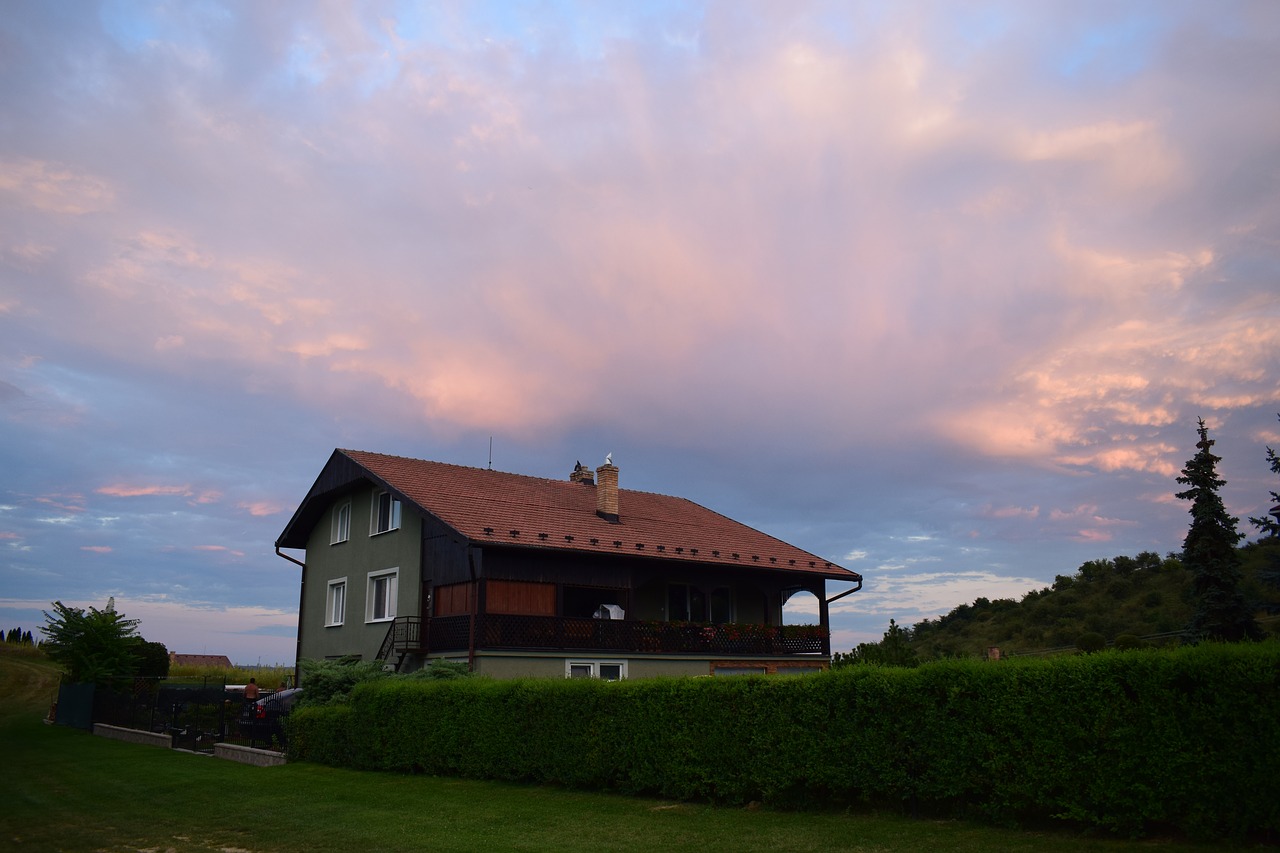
point(381, 596)
point(335, 610)
point(605, 670)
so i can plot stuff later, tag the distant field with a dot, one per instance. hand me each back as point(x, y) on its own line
point(75, 792)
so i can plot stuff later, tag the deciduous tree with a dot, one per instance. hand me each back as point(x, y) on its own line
point(98, 646)
point(1209, 551)
point(894, 650)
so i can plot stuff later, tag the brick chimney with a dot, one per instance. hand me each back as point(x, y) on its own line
point(607, 490)
point(582, 474)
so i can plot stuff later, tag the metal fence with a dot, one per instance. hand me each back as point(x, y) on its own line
point(197, 713)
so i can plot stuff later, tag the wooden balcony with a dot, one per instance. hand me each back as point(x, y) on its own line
point(612, 636)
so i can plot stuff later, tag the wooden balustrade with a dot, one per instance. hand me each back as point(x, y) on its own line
point(553, 633)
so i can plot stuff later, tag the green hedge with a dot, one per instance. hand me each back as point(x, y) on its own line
point(1129, 741)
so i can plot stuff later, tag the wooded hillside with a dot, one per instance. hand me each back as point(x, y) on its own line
point(1140, 596)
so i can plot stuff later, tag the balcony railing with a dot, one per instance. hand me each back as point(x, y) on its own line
point(553, 633)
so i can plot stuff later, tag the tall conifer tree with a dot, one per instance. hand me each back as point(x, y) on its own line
point(1209, 551)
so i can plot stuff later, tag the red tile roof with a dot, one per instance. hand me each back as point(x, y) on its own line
point(489, 506)
point(176, 659)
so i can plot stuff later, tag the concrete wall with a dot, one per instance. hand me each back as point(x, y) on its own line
point(133, 735)
point(248, 755)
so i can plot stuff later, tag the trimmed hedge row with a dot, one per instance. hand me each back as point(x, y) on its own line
point(1129, 741)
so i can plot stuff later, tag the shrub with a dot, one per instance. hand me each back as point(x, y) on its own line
point(1091, 641)
point(1126, 642)
point(329, 682)
point(1185, 738)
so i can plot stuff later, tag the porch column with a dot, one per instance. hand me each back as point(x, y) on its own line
point(824, 618)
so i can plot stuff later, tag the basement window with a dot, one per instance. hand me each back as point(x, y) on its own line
point(605, 670)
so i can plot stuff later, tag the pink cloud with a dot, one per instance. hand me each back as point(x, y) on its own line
point(261, 508)
point(96, 549)
point(6, 534)
point(124, 491)
point(1088, 512)
point(54, 188)
point(67, 503)
point(1011, 512)
point(218, 549)
point(121, 490)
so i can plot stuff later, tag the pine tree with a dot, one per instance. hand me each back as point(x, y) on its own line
point(1270, 525)
point(1209, 551)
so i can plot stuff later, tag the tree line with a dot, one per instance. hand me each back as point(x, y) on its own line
point(17, 637)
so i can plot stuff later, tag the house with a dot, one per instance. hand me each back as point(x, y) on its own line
point(218, 661)
point(524, 576)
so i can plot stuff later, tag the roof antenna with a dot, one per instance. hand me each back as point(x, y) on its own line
point(490, 453)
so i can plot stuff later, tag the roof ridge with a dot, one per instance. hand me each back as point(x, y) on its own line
point(566, 482)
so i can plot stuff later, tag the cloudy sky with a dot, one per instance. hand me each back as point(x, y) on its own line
point(934, 290)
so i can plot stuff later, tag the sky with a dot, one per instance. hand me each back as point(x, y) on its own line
point(936, 291)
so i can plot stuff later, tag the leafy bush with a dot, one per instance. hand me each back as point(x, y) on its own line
point(1128, 741)
point(331, 682)
point(1091, 641)
point(1125, 642)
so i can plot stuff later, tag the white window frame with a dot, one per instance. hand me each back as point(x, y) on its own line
point(388, 600)
point(340, 530)
point(393, 513)
point(335, 603)
point(593, 668)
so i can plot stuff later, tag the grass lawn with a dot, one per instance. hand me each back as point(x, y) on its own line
point(72, 791)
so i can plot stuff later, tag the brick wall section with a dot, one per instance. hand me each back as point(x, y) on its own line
point(607, 492)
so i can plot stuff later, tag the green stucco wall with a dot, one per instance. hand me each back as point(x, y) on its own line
point(520, 666)
point(354, 560)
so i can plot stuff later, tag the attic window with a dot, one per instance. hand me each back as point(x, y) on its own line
point(617, 543)
point(791, 562)
point(568, 538)
point(542, 536)
point(679, 550)
point(693, 550)
point(515, 533)
point(755, 557)
point(735, 555)
point(385, 513)
point(773, 559)
point(715, 553)
point(811, 564)
point(662, 547)
point(595, 541)
point(489, 530)
point(639, 546)
point(340, 529)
